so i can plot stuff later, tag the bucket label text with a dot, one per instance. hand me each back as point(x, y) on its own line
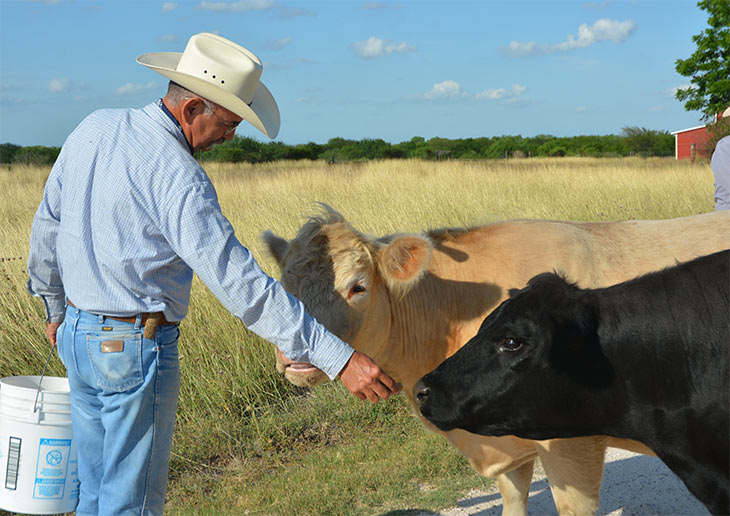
point(51, 468)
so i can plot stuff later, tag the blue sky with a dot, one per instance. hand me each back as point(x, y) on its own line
point(364, 69)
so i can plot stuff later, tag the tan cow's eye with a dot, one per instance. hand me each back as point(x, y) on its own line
point(357, 288)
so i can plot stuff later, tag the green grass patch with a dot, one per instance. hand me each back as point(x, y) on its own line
point(346, 461)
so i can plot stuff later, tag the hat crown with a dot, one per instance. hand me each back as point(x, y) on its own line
point(223, 72)
point(222, 63)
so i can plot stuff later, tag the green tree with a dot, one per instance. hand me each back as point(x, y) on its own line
point(7, 152)
point(709, 65)
point(647, 142)
point(36, 155)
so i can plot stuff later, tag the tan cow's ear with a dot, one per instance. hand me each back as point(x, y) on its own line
point(404, 260)
point(278, 246)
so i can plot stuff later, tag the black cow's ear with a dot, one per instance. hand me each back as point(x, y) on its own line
point(513, 292)
point(576, 321)
point(576, 349)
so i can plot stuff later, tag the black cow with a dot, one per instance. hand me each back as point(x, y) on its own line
point(647, 359)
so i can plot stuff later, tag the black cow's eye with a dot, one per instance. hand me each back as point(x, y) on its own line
point(510, 344)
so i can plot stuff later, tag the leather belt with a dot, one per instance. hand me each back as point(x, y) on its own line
point(133, 318)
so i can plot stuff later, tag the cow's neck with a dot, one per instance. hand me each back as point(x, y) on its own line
point(437, 318)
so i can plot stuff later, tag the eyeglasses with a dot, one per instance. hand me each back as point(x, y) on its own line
point(227, 124)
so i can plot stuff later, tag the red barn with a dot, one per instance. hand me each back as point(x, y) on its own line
point(691, 143)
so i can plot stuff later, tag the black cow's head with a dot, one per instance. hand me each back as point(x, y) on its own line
point(535, 364)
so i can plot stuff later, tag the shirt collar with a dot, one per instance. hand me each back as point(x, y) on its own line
point(172, 117)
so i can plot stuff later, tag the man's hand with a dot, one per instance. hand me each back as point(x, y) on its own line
point(366, 380)
point(51, 329)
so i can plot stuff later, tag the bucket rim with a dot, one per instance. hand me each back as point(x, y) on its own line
point(45, 384)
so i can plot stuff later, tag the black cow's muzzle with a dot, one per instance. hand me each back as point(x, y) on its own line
point(424, 402)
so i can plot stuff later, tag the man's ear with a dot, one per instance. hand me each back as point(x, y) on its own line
point(191, 108)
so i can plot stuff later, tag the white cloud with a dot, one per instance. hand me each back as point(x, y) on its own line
point(238, 6)
point(376, 47)
point(603, 30)
point(64, 85)
point(59, 85)
point(492, 94)
point(518, 89)
point(452, 90)
point(278, 44)
point(373, 5)
point(168, 6)
point(168, 38)
point(130, 88)
point(581, 109)
point(500, 93)
point(444, 90)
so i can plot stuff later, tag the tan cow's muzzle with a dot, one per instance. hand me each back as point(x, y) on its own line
point(301, 374)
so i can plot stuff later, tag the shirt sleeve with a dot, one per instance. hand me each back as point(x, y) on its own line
point(720, 164)
point(200, 234)
point(44, 277)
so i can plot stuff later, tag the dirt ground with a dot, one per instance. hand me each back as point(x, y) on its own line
point(633, 485)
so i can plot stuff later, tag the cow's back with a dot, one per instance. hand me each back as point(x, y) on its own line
point(482, 264)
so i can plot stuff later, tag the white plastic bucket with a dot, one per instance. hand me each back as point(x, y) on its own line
point(38, 466)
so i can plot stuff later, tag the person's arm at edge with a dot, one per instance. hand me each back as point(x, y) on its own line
point(44, 278)
point(720, 164)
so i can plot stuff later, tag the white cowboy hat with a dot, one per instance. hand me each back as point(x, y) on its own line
point(224, 73)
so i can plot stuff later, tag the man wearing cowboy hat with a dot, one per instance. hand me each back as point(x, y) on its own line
point(127, 215)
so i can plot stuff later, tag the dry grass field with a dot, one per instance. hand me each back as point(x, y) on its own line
point(248, 443)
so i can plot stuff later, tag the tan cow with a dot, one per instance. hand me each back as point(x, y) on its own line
point(410, 301)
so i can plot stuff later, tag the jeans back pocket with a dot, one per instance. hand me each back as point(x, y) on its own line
point(116, 359)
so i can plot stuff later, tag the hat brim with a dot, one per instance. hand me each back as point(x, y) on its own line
point(262, 113)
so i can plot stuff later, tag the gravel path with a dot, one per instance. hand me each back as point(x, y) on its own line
point(633, 485)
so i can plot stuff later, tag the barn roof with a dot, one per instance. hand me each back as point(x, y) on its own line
point(724, 114)
point(690, 129)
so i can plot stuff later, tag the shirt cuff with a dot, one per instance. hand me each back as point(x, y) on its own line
point(55, 305)
point(55, 309)
point(332, 357)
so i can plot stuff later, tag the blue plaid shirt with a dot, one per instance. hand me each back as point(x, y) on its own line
point(128, 214)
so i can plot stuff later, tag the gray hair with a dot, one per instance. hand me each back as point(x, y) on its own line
point(177, 94)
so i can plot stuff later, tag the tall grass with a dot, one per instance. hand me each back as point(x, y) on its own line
point(248, 441)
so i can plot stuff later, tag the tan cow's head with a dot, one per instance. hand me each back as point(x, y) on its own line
point(346, 280)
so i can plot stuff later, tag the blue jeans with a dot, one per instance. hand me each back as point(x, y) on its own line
point(124, 393)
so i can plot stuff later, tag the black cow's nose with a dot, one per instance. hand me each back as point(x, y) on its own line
point(421, 392)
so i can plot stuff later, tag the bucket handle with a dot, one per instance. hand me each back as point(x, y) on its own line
point(40, 382)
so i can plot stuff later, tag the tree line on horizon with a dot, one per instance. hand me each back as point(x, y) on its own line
point(632, 141)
